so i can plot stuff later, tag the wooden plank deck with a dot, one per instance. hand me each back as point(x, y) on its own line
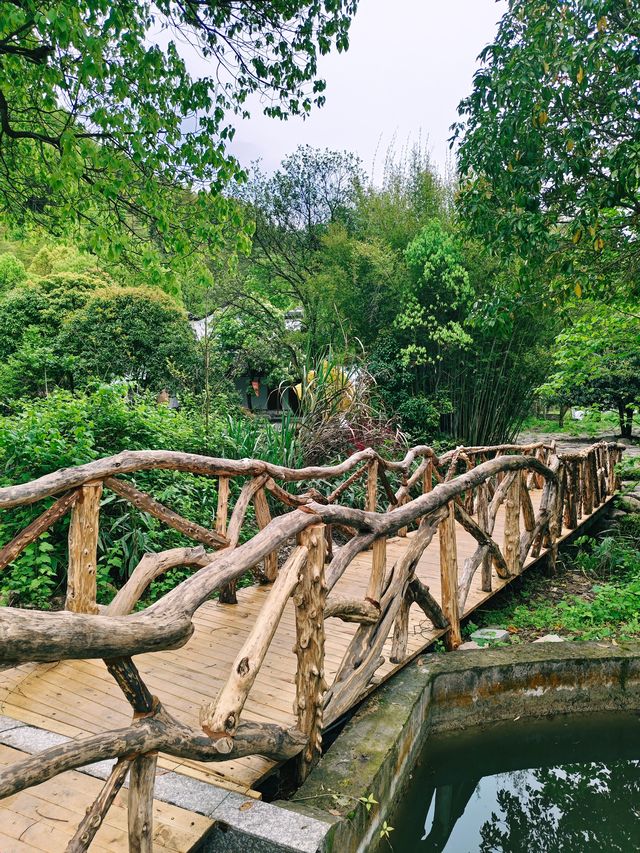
point(76, 698)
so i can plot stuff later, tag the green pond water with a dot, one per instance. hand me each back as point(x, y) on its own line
point(569, 784)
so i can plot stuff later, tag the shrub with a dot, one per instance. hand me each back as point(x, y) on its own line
point(135, 333)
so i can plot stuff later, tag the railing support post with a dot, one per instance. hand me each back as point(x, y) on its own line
point(512, 526)
point(83, 549)
point(142, 779)
point(449, 577)
point(483, 523)
point(263, 517)
point(309, 597)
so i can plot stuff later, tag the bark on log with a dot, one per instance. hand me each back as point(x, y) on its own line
point(150, 567)
point(362, 657)
point(94, 817)
point(37, 527)
point(142, 781)
point(310, 598)
point(30, 635)
point(83, 550)
point(223, 506)
point(483, 524)
point(249, 490)
point(150, 505)
point(401, 631)
point(157, 733)
point(352, 610)
point(223, 716)
point(511, 546)
point(449, 578)
point(263, 517)
point(426, 602)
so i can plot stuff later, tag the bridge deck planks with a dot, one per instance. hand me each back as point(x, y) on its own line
point(75, 698)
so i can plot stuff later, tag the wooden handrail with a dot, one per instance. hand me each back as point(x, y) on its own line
point(573, 485)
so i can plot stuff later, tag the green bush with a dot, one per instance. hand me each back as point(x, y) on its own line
point(64, 430)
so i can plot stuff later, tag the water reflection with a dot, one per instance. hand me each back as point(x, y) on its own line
point(568, 785)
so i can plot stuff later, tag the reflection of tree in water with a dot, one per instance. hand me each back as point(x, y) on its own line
point(576, 808)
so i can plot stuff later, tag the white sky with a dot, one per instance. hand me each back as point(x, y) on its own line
point(409, 64)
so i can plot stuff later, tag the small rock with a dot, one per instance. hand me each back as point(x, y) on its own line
point(468, 645)
point(550, 638)
point(485, 636)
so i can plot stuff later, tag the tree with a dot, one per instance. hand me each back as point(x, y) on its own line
point(137, 334)
point(550, 139)
point(293, 210)
point(597, 362)
point(102, 122)
point(12, 271)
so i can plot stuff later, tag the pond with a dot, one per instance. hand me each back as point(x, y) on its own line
point(570, 783)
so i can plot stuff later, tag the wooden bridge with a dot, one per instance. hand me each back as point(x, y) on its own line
point(225, 690)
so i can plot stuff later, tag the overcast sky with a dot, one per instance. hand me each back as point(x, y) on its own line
point(409, 64)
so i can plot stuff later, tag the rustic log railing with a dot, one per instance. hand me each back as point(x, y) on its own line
point(421, 495)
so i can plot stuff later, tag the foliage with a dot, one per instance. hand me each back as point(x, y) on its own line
point(12, 271)
point(597, 361)
point(135, 333)
point(64, 430)
point(549, 144)
point(612, 608)
point(104, 123)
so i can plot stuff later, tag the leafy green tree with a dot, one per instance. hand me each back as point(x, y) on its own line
point(12, 271)
point(597, 361)
point(137, 334)
point(103, 122)
point(293, 210)
point(549, 138)
point(42, 305)
point(430, 320)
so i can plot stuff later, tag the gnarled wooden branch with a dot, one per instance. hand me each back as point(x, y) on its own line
point(223, 715)
point(150, 567)
point(352, 610)
point(150, 505)
point(159, 732)
point(37, 527)
point(92, 821)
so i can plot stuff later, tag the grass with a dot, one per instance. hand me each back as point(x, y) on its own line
point(593, 423)
point(595, 594)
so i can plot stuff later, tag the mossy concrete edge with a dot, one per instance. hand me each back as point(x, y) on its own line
point(435, 693)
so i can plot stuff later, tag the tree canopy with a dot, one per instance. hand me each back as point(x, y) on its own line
point(550, 138)
point(103, 121)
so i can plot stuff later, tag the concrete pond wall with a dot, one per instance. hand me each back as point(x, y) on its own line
point(375, 752)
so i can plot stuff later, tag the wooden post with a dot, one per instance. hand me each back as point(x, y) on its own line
point(228, 591)
point(449, 577)
point(371, 500)
point(309, 598)
point(403, 500)
point(427, 477)
point(83, 548)
point(512, 526)
point(223, 505)
point(378, 568)
point(141, 783)
point(483, 523)
point(587, 486)
point(263, 517)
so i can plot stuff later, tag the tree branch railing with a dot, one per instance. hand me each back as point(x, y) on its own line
point(421, 496)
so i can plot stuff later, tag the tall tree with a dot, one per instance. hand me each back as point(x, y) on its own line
point(550, 138)
point(102, 121)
